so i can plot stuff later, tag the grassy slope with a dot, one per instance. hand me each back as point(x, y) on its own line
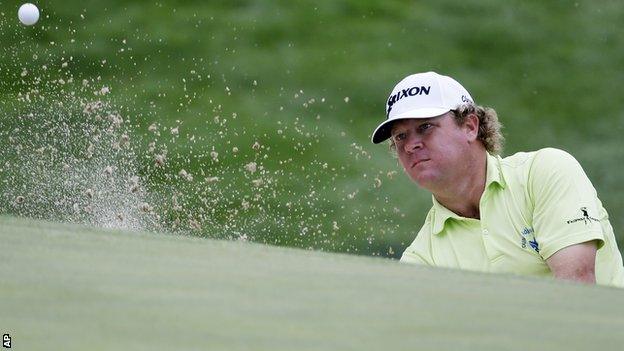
point(553, 70)
point(74, 288)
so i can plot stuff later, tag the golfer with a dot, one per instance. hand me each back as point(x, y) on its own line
point(532, 213)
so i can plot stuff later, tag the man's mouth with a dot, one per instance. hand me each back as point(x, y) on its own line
point(419, 162)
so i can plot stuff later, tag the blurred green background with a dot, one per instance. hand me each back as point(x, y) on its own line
point(307, 80)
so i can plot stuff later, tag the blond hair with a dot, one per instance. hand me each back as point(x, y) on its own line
point(489, 134)
point(489, 127)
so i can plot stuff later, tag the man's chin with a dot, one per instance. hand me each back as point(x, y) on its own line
point(423, 180)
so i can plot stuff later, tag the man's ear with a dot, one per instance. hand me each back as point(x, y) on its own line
point(471, 126)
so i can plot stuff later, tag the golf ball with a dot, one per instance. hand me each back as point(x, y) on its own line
point(28, 14)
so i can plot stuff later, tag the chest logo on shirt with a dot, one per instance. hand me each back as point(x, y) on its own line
point(586, 218)
point(529, 237)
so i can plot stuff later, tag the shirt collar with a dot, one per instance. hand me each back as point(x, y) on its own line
point(493, 175)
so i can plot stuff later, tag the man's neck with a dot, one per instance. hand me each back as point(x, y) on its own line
point(463, 194)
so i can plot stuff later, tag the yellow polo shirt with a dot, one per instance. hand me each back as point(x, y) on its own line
point(534, 204)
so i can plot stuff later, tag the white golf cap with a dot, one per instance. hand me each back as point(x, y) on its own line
point(421, 95)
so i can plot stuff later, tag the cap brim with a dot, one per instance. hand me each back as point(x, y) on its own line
point(383, 131)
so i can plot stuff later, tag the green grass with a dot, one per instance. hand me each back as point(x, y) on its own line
point(553, 70)
point(69, 287)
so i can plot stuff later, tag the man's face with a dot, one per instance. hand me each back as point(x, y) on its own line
point(432, 150)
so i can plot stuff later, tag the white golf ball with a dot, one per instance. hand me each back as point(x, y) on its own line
point(28, 14)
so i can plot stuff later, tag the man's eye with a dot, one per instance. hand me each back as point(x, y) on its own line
point(399, 137)
point(423, 127)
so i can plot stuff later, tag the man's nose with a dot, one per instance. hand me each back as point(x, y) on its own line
point(413, 143)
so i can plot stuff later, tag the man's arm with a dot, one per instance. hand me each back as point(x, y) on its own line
point(576, 262)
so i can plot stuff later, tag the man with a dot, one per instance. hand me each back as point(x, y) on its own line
point(532, 213)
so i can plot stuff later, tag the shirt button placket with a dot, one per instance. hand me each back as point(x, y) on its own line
point(484, 230)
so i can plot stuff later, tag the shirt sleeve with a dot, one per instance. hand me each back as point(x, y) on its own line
point(566, 210)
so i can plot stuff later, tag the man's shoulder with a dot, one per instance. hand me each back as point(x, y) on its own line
point(534, 172)
point(543, 159)
point(520, 159)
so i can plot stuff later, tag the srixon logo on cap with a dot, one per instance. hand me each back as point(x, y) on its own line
point(413, 91)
